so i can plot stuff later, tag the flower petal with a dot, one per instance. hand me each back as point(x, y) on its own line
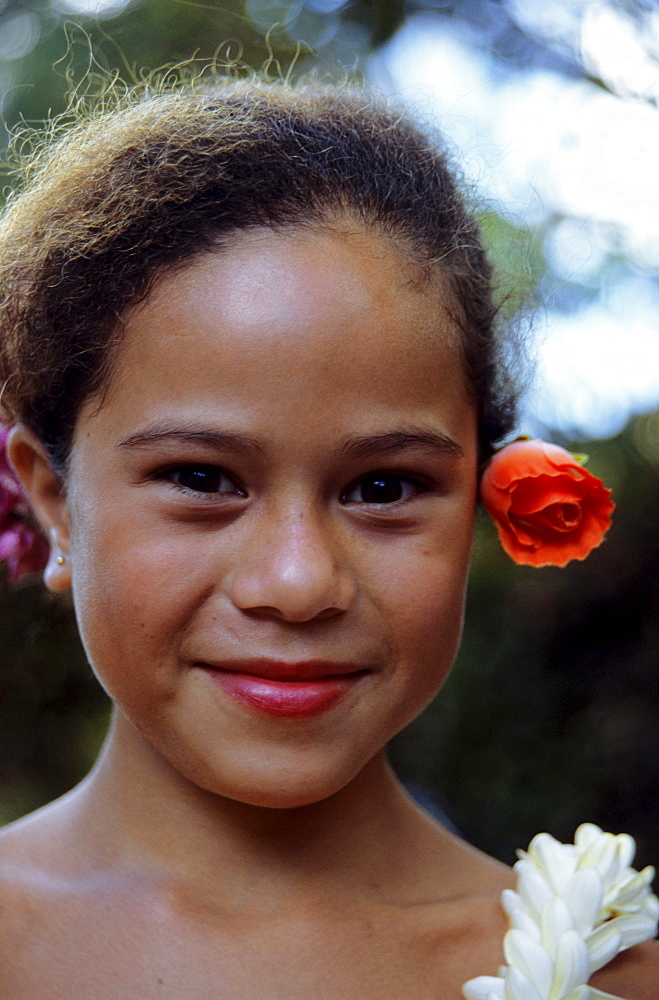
point(634, 928)
point(586, 835)
point(484, 988)
point(557, 862)
point(583, 896)
point(533, 495)
point(556, 920)
point(581, 993)
point(626, 849)
point(529, 958)
point(511, 901)
point(632, 890)
point(603, 945)
point(603, 857)
point(518, 987)
point(572, 966)
point(523, 921)
point(532, 888)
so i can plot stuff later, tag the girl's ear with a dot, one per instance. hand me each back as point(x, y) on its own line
point(46, 493)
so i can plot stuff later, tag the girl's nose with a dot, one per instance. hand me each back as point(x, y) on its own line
point(293, 571)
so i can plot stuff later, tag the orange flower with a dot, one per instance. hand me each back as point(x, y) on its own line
point(548, 509)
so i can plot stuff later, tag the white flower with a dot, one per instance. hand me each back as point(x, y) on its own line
point(575, 907)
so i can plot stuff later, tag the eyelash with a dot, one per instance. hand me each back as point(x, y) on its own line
point(381, 478)
point(175, 474)
point(384, 480)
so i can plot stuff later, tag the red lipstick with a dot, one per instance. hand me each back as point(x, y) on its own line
point(287, 690)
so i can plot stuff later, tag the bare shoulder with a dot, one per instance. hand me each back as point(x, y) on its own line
point(21, 912)
point(32, 838)
point(634, 974)
point(50, 898)
point(459, 931)
point(454, 868)
point(30, 870)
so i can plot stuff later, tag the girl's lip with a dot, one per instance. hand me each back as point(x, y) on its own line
point(290, 690)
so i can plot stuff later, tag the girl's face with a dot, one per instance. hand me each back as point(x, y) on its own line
point(269, 516)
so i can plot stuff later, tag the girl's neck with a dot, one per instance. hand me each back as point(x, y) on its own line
point(136, 810)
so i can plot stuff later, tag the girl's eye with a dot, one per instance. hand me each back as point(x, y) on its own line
point(205, 479)
point(381, 488)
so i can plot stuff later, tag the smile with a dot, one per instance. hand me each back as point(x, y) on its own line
point(286, 690)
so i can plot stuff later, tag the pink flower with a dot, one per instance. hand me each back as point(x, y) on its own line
point(22, 545)
point(11, 493)
point(547, 509)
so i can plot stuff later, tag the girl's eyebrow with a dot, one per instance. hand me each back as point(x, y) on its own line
point(377, 444)
point(158, 433)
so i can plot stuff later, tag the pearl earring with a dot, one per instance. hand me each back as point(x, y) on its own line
point(61, 560)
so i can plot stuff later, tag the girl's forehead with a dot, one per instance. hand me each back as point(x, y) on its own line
point(275, 289)
point(337, 318)
point(360, 257)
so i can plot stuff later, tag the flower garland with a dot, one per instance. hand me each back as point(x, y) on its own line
point(575, 908)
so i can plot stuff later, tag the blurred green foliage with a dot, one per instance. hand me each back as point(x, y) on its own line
point(550, 717)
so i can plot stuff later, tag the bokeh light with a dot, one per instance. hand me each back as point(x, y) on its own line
point(572, 163)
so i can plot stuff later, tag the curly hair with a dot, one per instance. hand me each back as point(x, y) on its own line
point(128, 193)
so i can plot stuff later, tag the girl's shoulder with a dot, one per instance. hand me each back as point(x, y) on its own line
point(23, 915)
point(633, 975)
point(62, 925)
point(28, 868)
point(33, 874)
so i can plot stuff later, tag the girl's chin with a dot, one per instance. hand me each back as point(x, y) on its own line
point(254, 770)
point(283, 788)
point(282, 798)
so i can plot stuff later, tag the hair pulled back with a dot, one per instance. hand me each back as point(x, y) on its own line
point(131, 192)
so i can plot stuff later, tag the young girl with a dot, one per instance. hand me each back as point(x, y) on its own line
point(248, 350)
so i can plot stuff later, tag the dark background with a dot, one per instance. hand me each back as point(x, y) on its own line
point(551, 715)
